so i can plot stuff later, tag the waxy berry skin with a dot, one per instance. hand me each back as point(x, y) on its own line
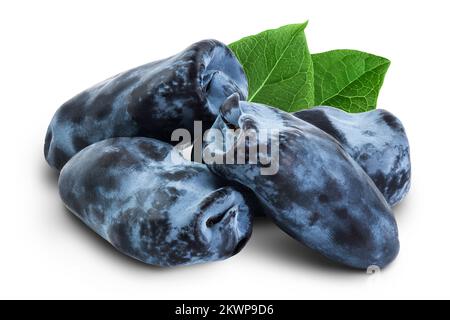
point(376, 140)
point(152, 205)
point(320, 195)
point(151, 100)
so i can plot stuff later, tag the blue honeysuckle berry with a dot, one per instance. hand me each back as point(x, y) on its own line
point(376, 140)
point(320, 195)
point(151, 100)
point(150, 203)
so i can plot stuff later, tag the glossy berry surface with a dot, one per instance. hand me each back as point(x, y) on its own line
point(151, 204)
point(376, 140)
point(320, 195)
point(151, 100)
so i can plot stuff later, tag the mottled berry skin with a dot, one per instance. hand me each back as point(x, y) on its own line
point(151, 204)
point(152, 101)
point(320, 195)
point(375, 139)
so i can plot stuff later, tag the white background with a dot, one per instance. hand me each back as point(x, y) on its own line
point(51, 50)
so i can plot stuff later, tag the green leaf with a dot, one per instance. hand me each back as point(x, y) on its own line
point(278, 66)
point(348, 79)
